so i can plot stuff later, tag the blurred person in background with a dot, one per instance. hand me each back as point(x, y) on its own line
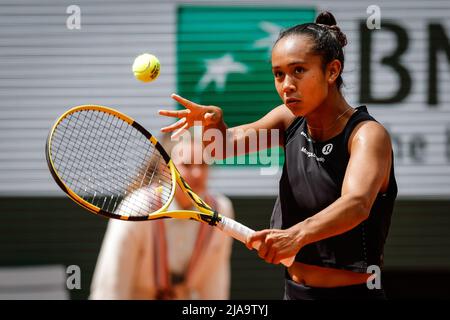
point(168, 258)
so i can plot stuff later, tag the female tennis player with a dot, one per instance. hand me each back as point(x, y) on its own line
point(337, 189)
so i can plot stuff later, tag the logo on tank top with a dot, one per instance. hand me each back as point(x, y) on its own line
point(327, 148)
point(312, 155)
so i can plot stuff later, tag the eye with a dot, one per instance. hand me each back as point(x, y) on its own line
point(299, 70)
point(277, 74)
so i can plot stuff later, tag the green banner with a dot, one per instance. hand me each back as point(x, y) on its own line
point(223, 58)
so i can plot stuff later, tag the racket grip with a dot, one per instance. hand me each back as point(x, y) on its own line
point(240, 232)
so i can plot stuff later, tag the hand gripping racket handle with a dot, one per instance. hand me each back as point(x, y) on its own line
point(241, 232)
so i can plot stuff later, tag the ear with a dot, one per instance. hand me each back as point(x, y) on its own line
point(333, 71)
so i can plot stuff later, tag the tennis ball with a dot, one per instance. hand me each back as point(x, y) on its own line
point(146, 67)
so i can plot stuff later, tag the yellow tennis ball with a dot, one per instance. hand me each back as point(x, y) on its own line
point(146, 67)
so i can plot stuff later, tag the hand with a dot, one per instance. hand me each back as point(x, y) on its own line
point(275, 244)
point(207, 115)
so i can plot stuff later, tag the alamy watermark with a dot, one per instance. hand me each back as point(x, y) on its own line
point(73, 280)
point(374, 19)
point(217, 149)
point(74, 20)
point(374, 281)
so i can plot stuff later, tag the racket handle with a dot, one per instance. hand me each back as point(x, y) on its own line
point(240, 232)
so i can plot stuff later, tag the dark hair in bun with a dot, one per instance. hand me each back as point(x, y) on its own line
point(326, 18)
point(328, 38)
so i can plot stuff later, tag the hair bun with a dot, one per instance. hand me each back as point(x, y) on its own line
point(340, 36)
point(326, 18)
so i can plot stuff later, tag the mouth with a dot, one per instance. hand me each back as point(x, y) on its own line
point(292, 102)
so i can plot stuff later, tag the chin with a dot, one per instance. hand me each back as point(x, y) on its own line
point(295, 108)
point(297, 111)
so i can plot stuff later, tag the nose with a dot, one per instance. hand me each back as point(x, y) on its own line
point(288, 84)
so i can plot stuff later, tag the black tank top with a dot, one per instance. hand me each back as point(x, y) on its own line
point(312, 179)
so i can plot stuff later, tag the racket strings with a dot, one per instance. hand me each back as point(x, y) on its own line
point(95, 165)
point(100, 169)
point(74, 144)
point(110, 164)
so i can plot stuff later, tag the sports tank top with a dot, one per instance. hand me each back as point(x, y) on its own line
point(311, 180)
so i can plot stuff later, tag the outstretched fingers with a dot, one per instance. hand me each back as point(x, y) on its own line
point(180, 131)
point(174, 126)
point(185, 102)
point(174, 113)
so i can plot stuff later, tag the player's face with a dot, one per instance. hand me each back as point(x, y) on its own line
point(299, 76)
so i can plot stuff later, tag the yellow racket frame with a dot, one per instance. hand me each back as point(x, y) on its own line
point(205, 213)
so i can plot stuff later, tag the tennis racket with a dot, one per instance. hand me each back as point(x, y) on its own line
point(110, 165)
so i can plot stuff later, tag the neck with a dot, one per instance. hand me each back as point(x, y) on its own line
point(330, 117)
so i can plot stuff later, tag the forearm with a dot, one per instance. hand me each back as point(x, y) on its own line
point(342, 215)
point(264, 133)
point(223, 142)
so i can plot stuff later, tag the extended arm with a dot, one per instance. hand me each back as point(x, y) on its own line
point(245, 138)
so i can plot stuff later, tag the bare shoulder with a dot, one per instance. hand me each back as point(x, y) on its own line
point(370, 133)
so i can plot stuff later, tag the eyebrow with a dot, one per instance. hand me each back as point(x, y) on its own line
point(292, 63)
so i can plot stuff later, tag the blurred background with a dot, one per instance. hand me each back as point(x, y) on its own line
point(58, 54)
